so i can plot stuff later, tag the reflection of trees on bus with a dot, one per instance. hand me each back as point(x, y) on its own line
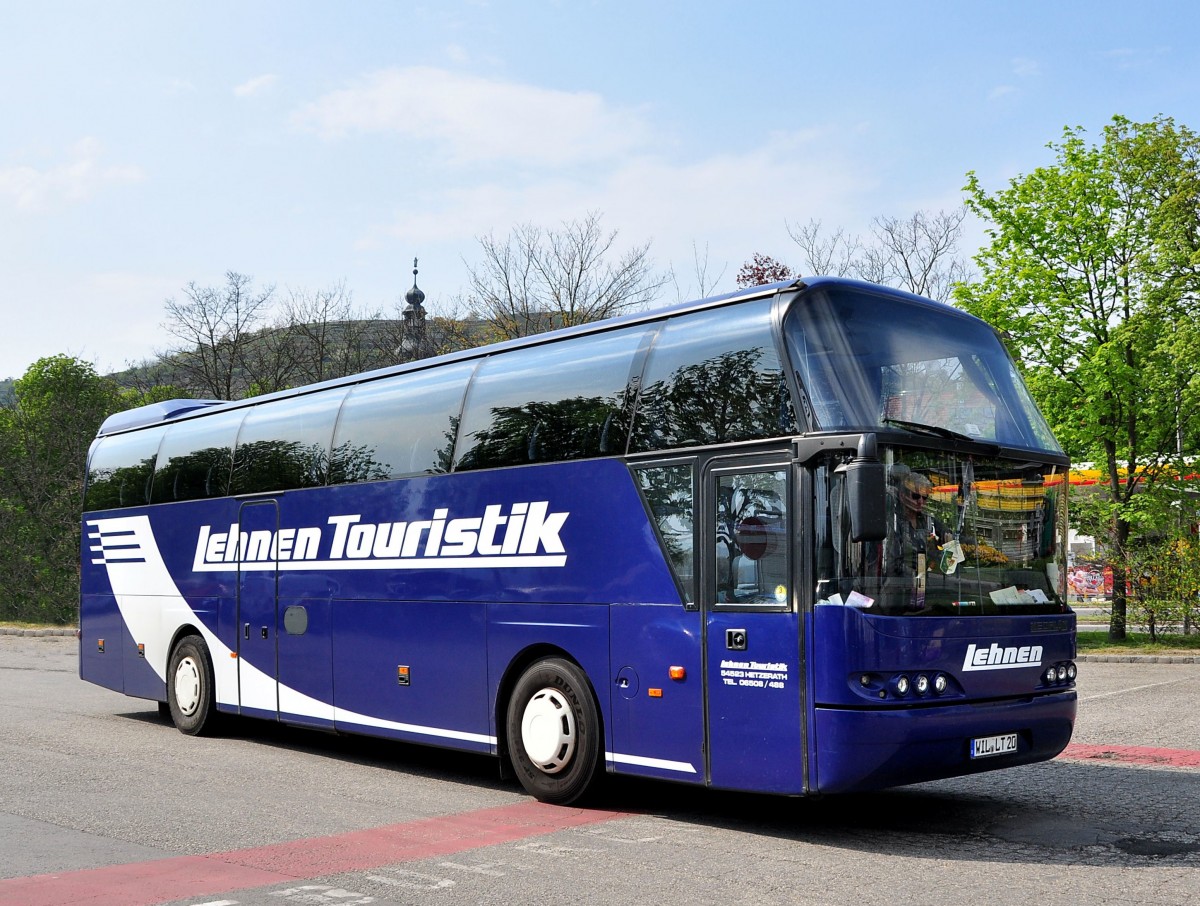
point(573, 428)
point(193, 476)
point(725, 398)
point(120, 487)
point(670, 493)
point(356, 462)
point(444, 455)
point(272, 464)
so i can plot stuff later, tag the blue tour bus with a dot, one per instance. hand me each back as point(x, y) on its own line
point(804, 538)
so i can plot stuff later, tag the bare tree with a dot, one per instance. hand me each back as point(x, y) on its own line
point(918, 254)
point(833, 255)
point(331, 338)
point(538, 278)
point(270, 360)
point(704, 284)
point(216, 325)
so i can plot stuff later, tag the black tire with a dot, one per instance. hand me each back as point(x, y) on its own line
point(554, 732)
point(191, 689)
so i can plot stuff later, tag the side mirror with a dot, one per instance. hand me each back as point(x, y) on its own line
point(866, 493)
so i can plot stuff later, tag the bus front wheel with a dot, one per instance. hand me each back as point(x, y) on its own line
point(190, 687)
point(554, 732)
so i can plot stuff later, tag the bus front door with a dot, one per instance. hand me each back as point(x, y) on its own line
point(753, 672)
point(258, 653)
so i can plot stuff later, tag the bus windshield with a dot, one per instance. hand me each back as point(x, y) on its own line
point(869, 362)
point(966, 536)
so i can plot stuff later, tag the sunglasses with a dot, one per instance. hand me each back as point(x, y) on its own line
point(916, 495)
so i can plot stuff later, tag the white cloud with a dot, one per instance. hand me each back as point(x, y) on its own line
point(736, 203)
point(1024, 67)
point(1001, 91)
point(478, 119)
point(1127, 58)
point(257, 85)
point(72, 182)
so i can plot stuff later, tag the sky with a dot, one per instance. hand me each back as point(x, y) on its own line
point(146, 146)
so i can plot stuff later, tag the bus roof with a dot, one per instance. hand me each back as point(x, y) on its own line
point(157, 413)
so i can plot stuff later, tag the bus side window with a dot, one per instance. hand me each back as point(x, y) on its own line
point(751, 535)
point(713, 378)
point(399, 426)
point(560, 401)
point(670, 492)
point(285, 445)
point(121, 469)
point(196, 457)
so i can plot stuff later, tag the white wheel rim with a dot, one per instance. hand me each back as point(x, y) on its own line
point(187, 686)
point(548, 731)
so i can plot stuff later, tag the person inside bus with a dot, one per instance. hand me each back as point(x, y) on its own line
point(914, 533)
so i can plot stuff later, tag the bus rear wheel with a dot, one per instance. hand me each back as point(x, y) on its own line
point(191, 688)
point(554, 732)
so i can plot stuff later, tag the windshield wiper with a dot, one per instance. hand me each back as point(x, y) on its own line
point(935, 430)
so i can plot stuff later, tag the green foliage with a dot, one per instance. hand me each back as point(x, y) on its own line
point(1092, 273)
point(45, 433)
point(1165, 585)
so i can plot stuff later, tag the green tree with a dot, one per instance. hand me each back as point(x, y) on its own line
point(44, 437)
point(1091, 273)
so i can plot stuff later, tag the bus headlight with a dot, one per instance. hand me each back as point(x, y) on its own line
point(902, 685)
point(1060, 674)
point(922, 684)
point(940, 683)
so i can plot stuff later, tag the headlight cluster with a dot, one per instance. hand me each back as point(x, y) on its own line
point(903, 685)
point(921, 684)
point(1061, 674)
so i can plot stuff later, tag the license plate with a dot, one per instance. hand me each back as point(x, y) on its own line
point(984, 746)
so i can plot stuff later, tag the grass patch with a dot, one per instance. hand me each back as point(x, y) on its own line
point(1096, 642)
point(17, 624)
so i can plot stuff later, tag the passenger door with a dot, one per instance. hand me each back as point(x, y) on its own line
point(257, 652)
point(658, 687)
point(753, 669)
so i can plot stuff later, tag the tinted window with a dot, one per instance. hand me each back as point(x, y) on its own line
point(870, 360)
point(195, 458)
point(966, 536)
point(285, 444)
point(399, 426)
point(560, 401)
point(669, 491)
point(120, 470)
point(751, 531)
point(713, 377)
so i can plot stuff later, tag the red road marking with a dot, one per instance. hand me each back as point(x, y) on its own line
point(160, 880)
point(1172, 758)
